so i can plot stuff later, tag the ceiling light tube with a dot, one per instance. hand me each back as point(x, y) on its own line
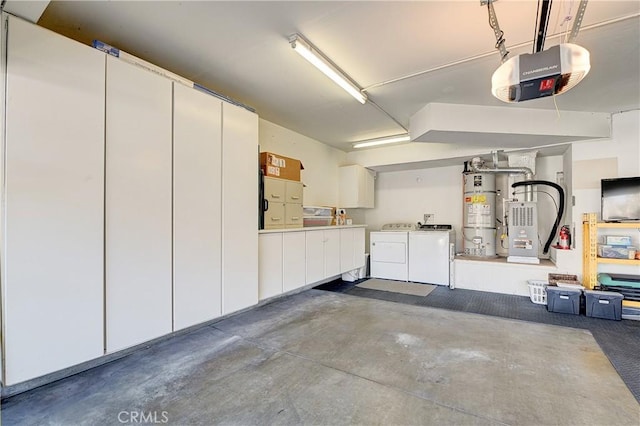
point(383, 141)
point(313, 55)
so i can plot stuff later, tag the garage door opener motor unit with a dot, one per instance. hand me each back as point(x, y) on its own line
point(543, 72)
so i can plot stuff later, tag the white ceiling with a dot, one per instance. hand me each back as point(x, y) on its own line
point(240, 49)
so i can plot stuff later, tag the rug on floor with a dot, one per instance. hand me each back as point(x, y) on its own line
point(413, 289)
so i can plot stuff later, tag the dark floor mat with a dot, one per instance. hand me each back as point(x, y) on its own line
point(619, 340)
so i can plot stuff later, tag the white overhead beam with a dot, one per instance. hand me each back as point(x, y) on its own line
point(505, 126)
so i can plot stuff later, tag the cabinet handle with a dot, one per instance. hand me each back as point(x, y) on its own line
point(295, 218)
point(293, 197)
point(275, 196)
point(275, 219)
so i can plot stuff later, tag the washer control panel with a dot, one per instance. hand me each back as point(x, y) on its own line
point(399, 227)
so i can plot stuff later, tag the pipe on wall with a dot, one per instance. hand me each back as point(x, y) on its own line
point(476, 167)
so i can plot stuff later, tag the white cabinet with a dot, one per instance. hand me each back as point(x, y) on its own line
point(52, 262)
point(294, 258)
point(352, 247)
point(197, 176)
point(290, 260)
point(270, 265)
point(322, 254)
point(356, 187)
point(239, 208)
point(138, 205)
point(114, 205)
point(282, 263)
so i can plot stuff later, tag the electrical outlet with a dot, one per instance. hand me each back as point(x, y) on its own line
point(429, 218)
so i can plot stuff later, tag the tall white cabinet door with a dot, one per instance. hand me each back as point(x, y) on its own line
point(294, 255)
point(270, 265)
point(138, 205)
point(239, 208)
point(197, 185)
point(53, 212)
point(331, 252)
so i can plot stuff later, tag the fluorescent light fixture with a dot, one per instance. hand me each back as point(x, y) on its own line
point(313, 55)
point(383, 141)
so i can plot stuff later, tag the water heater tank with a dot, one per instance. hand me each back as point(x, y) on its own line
point(479, 217)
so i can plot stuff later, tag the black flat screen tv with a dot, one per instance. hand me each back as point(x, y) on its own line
point(620, 199)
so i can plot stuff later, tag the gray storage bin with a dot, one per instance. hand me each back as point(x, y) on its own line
point(563, 300)
point(604, 304)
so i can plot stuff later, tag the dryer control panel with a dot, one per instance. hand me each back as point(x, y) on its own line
point(399, 227)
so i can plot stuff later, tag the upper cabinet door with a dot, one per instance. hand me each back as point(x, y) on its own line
point(53, 211)
point(197, 186)
point(239, 208)
point(356, 187)
point(138, 205)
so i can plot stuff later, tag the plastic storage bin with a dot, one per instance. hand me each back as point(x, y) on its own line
point(563, 300)
point(604, 304)
point(538, 291)
point(616, 252)
point(317, 211)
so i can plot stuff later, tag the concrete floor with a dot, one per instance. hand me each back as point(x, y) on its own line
point(330, 358)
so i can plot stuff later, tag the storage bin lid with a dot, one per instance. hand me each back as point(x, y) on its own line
point(612, 294)
point(555, 289)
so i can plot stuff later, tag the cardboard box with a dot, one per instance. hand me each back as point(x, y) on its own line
point(279, 166)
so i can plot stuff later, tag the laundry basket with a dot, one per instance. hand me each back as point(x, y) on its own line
point(538, 291)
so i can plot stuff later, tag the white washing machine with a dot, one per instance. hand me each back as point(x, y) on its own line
point(389, 252)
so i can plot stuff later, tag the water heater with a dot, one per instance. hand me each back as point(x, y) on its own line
point(479, 217)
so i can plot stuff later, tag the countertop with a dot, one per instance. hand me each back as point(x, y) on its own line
point(309, 228)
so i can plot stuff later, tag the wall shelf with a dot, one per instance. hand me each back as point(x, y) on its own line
point(590, 259)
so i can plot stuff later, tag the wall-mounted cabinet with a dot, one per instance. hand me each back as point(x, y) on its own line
point(356, 187)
